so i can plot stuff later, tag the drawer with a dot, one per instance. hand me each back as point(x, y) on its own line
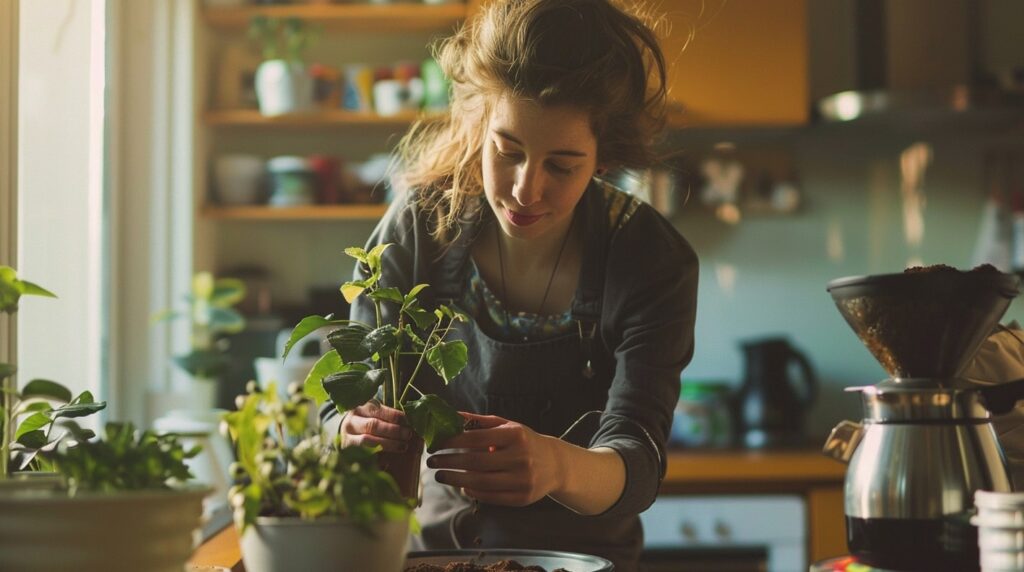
point(708, 520)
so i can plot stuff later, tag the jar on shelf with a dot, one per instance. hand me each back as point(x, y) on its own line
point(293, 181)
point(702, 417)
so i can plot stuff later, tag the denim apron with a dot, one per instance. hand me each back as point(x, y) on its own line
point(557, 387)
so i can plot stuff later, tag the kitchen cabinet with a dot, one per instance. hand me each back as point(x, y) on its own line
point(737, 63)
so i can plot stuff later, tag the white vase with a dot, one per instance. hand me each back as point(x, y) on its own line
point(42, 531)
point(324, 545)
point(202, 393)
point(283, 87)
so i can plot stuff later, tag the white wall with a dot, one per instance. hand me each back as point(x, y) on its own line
point(60, 97)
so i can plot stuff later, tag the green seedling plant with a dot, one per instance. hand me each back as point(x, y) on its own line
point(123, 460)
point(282, 38)
point(209, 307)
point(28, 417)
point(286, 468)
point(366, 359)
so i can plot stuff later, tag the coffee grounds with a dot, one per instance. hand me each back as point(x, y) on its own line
point(944, 268)
point(500, 566)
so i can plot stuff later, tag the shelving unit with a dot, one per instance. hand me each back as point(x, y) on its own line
point(306, 213)
point(321, 118)
point(351, 17)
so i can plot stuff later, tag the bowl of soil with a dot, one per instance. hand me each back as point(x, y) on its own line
point(504, 560)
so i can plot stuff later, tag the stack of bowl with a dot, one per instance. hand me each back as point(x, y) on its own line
point(1000, 522)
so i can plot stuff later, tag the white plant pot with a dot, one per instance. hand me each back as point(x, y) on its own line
point(94, 532)
point(283, 87)
point(326, 545)
point(202, 393)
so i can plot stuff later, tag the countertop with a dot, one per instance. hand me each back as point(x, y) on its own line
point(731, 471)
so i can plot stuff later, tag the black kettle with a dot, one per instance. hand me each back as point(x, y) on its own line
point(770, 405)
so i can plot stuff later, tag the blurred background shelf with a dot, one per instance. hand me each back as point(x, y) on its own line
point(314, 212)
point(392, 18)
point(324, 118)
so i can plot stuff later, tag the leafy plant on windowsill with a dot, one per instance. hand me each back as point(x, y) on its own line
point(314, 478)
point(210, 311)
point(366, 359)
point(123, 460)
point(41, 405)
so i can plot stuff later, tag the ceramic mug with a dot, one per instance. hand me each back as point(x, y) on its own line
point(239, 179)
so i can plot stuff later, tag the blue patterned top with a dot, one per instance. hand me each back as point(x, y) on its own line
point(479, 302)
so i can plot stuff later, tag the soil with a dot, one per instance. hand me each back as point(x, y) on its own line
point(945, 268)
point(500, 566)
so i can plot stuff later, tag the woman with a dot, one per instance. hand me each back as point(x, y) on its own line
point(582, 299)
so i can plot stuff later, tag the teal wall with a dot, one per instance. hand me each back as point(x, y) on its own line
point(851, 180)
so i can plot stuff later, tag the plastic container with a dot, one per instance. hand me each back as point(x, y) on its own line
point(701, 417)
point(1000, 522)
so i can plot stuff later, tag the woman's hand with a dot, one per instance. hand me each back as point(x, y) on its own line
point(375, 424)
point(502, 462)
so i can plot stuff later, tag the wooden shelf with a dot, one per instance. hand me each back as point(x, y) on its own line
point(324, 118)
point(393, 18)
point(315, 212)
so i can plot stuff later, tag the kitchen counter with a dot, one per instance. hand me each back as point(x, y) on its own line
point(804, 472)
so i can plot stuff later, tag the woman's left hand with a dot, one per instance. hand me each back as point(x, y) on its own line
point(501, 462)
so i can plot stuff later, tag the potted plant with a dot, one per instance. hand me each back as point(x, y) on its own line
point(304, 503)
point(29, 416)
point(133, 481)
point(209, 307)
point(367, 361)
point(283, 84)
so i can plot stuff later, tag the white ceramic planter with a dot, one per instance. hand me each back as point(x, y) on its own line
point(325, 545)
point(283, 87)
point(146, 530)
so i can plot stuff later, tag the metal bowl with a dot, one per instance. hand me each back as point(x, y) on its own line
point(548, 559)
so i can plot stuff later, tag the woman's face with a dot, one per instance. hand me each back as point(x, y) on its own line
point(537, 162)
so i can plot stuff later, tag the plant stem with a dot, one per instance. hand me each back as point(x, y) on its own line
point(8, 420)
point(419, 362)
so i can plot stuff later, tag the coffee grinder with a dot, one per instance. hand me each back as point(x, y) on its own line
point(926, 443)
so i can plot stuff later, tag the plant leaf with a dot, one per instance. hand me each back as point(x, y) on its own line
point(226, 320)
point(383, 341)
point(352, 388)
point(357, 253)
point(352, 290)
point(33, 439)
point(417, 342)
point(348, 341)
point(306, 326)
point(373, 257)
point(433, 419)
point(202, 285)
point(387, 294)
point(33, 422)
point(48, 389)
point(424, 319)
point(7, 370)
point(414, 292)
point(202, 363)
point(79, 409)
point(448, 359)
point(30, 289)
point(227, 292)
point(312, 387)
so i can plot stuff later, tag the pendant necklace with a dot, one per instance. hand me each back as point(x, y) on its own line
point(501, 265)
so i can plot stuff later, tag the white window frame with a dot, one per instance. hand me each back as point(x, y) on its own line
point(8, 159)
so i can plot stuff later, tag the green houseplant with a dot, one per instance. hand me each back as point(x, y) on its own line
point(283, 84)
point(209, 309)
point(134, 480)
point(304, 503)
point(29, 416)
point(367, 360)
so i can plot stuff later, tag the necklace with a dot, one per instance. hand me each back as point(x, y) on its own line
point(554, 270)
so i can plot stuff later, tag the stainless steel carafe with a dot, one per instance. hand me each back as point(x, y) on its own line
point(926, 443)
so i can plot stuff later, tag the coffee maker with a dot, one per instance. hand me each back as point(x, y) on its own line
point(926, 442)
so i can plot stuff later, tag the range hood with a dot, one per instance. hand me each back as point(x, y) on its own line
point(931, 60)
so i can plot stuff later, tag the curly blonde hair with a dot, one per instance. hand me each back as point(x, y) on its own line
point(596, 55)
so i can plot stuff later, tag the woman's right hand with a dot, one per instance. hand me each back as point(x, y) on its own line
point(373, 424)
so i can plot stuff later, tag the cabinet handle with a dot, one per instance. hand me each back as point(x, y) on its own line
point(688, 531)
point(722, 530)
